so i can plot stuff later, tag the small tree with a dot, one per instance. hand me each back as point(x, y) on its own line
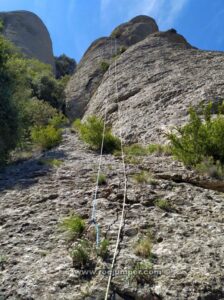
point(46, 137)
point(91, 132)
point(199, 138)
point(9, 116)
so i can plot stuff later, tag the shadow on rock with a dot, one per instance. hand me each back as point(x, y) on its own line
point(27, 173)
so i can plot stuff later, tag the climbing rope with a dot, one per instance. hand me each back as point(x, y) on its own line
point(125, 182)
point(94, 203)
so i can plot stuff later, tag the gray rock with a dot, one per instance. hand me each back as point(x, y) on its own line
point(187, 242)
point(28, 33)
point(158, 79)
point(135, 30)
point(89, 74)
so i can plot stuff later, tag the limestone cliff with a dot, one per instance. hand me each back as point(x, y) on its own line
point(89, 73)
point(28, 32)
point(158, 76)
point(158, 79)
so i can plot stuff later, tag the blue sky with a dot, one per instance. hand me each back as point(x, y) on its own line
point(74, 24)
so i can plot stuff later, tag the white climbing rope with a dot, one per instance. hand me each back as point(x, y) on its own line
point(125, 184)
point(94, 203)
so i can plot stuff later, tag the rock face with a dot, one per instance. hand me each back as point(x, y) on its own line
point(90, 72)
point(187, 239)
point(158, 79)
point(135, 30)
point(28, 32)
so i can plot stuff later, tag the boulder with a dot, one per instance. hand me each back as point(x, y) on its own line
point(28, 33)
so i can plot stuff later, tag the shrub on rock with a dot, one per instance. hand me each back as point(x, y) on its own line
point(200, 138)
point(46, 137)
point(91, 132)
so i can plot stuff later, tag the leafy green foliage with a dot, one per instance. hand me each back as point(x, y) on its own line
point(74, 225)
point(46, 137)
point(104, 66)
point(212, 168)
point(9, 116)
point(158, 148)
point(144, 247)
point(91, 132)
point(122, 49)
point(38, 113)
point(163, 204)
point(141, 273)
point(135, 150)
point(3, 261)
point(47, 88)
point(140, 150)
point(102, 179)
point(143, 177)
point(58, 120)
point(36, 79)
point(64, 66)
point(1, 25)
point(52, 162)
point(80, 254)
point(25, 86)
point(199, 139)
point(116, 33)
point(102, 251)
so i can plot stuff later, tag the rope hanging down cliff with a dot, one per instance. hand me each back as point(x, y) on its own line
point(125, 182)
point(94, 203)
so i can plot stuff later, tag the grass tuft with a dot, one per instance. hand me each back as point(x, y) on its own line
point(80, 254)
point(144, 247)
point(163, 204)
point(74, 225)
point(143, 177)
point(52, 162)
point(103, 249)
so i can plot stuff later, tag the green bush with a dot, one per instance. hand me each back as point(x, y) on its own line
point(64, 66)
point(1, 25)
point(140, 150)
point(38, 113)
point(3, 261)
point(116, 33)
point(157, 148)
point(102, 179)
point(135, 150)
point(143, 177)
point(212, 168)
point(163, 204)
point(199, 139)
point(80, 254)
point(51, 162)
point(141, 273)
point(144, 247)
point(59, 120)
point(91, 132)
point(46, 137)
point(46, 87)
point(122, 49)
point(24, 83)
point(9, 114)
point(74, 225)
point(104, 66)
point(102, 251)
